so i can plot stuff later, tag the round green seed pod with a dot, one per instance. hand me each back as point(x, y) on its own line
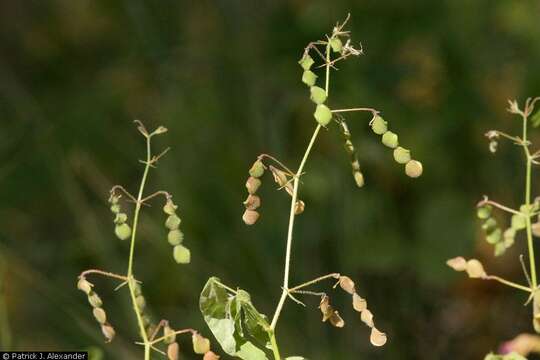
point(489, 225)
point(94, 300)
point(390, 139)
point(181, 254)
point(169, 334)
point(414, 169)
point(484, 211)
point(359, 179)
point(115, 208)
point(122, 231)
point(323, 114)
point(120, 218)
point(84, 285)
point(494, 236)
point(309, 78)
point(318, 94)
point(401, 155)
point(100, 315)
point(336, 44)
point(306, 62)
point(175, 237)
point(519, 222)
point(113, 199)
point(201, 345)
point(257, 169)
point(108, 332)
point(500, 248)
point(141, 302)
point(169, 208)
point(378, 125)
point(252, 184)
point(172, 222)
point(172, 351)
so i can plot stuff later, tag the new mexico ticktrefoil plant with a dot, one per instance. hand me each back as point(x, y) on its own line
point(521, 218)
point(238, 326)
point(153, 335)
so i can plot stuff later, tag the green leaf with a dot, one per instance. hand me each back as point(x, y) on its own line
point(535, 119)
point(238, 327)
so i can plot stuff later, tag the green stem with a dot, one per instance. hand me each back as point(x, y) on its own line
point(131, 280)
point(273, 342)
point(530, 246)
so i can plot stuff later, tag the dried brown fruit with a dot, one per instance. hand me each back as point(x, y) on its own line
point(252, 185)
point(100, 315)
point(457, 263)
point(299, 207)
point(201, 345)
point(250, 217)
point(377, 338)
point(367, 317)
point(172, 351)
point(359, 304)
point(347, 284)
point(108, 332)
point(336, 320)
point(252, 202)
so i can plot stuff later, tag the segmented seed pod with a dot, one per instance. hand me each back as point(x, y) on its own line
point(414, 169)
point(336, 44)
point(402, 155)
point(323, 114)
point(359, 179)
point(201, 345)
point(172, 222)
point(122, 231)
point(257, 169)
point(252, 202)
point(309, 78)
point(336, 320)
point(141, 302)
point(519, 222)
point(250, 217)
point(94, 300)
point(120, 218)
point(494, 236)
point(108, 332)
point(169, 334)
point(359, 304)
point(367, 317)
point(100, 315)
point(390, 139)
point(115, 208)
point(169, 208)
point(299, 207)
point(252, 185)
point(457, 263)
point(483, 212)
point(378, 125)
point(490, 224)
point(318, 95)
point(173, 351)
point(306, 62)
point(475, 269)
point(326, 308)
point(175, 237)
point(84, 285)
point(210, 355)
point(377, 338)
point(181, 254)
point(347, 284)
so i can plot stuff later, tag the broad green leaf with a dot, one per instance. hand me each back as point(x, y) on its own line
point(238, 327)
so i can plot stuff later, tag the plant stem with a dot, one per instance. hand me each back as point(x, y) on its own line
point(314, 281)
point(532, 260)
point(508, 283)
point(273, 342)
point(144, 335)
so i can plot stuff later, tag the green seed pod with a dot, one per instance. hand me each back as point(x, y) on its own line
point(108, 332)
point(390, 139)
point(115, 208)
point(94, 300)
point(414, 169)
point(172, 222)
point(250, 217)
point(309, 78)
point(137, 288)
point(359, 179)
point(120, 218)
point(489, 225)
point(113, 199)
point(252, 202)
point(318, 95)
point(84, 285)
point(169, 334)
point(169, 207)
point(378, 125)
point(141, 302)
point(519, 222)
point(172, 351)
point(401, 155)
point(145, 320)
point(494, 236)
point(500, 249)
point(323, 114)
point(484, 211)
point(336, 44)
point(252, 184)
point(122, 231)
point(201, 345)
point(181, 254)
point(306, 62)
point(100, 315)
point(175, 237)
point(257, 169)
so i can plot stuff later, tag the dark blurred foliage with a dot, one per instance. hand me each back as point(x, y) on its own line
point(223, 77)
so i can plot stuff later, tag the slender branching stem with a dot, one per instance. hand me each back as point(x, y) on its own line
point(371, 110)
point(262, 156)
point(157, 193)
point(178, 332)
point(497, 205)
point(508, 283)
point(274, 345)
point(314, 281)
point(104, 273)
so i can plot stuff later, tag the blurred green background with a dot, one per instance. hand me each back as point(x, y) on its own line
point(223, 77)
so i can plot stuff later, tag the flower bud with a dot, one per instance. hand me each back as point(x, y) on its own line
point(336, 44)
point(172, 351)
point(257, 169)
point(100, 315)
point(84, 285)
point(181, 254)
point(175, 237)
point(94, 300)
point(323, 114)
point(309, 78)
point(414, 169)
point(390, 139)
point(122, 231)
point(484, 211)
point(108, 332)
point(169, 207)
point(250, 217)
point(252, 184)
point(201, 345)
point(252, 202)
point(306, 62)
point(401, 155)
point(378, 125)
point(359, 179)
point(318, 95)
point(172, 222)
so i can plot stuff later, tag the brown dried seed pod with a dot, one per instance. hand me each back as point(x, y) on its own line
point(367, 317)
point(359, 304)
point(280, 177)
point(108, 332)
point(336, 320)
point(250, 217)
point(94, 300)
point(84, 285)
point(326, 309)
point(457, 263)
point(201, 345)
point(475, 269)
point(210, 356)
point(252, 185)
point(377, 338)
point(100, 315)
point(252, 202)
point(299, 207)
point(172, 351)
point(347, 284)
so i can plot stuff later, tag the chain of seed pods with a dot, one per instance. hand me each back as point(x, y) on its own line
point(121, 228)
point(349, 148)
point(97, 308)
point(175, 237)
